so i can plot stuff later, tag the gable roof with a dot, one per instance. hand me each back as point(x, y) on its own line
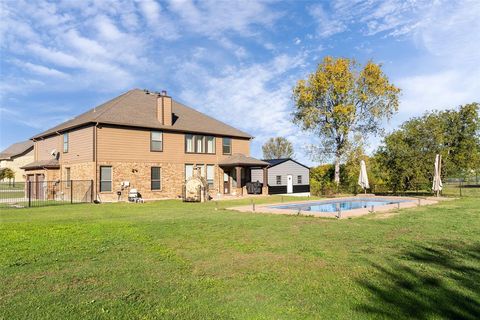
point(138, 108)
point(16, 149)
point(239, 159)
point(275, 162)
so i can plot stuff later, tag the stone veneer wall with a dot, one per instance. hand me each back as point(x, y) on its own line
point(79, 171)
point(50, 174)
point(138, 174)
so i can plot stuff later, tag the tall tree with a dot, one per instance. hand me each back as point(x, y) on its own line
point(277, 148)
point(341, 99)
point(7, 173)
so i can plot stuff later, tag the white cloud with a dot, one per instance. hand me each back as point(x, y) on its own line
point(213, 18)
point(449, 39)
point(38, 122)
point(256, 98)
point(42, 70)
point(326, 25)
point(159, 22)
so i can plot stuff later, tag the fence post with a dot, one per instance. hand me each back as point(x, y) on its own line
point(29, 192)
point(461, 188)
point(71, 191)
point(91, 190)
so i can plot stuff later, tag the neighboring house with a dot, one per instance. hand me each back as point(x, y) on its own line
point(148, 140)
point(16, 156)
point(285, 176)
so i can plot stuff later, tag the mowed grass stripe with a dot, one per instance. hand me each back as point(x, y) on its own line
point(174, 260)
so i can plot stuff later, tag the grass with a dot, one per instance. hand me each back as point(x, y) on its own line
point(173, 260)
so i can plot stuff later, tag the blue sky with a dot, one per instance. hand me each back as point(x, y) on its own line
point(236, 59)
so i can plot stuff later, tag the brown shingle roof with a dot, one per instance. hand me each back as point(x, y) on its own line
point(137, 108)
point(16, 149)
point(239, 159)
point(52, 163)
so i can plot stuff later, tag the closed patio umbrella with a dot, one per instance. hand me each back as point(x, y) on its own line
point(437, 181)
point(363, 178)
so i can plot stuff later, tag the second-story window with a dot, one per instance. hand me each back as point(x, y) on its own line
point(199, 144)
point(65, 142)
point(195, 143)
point(210, 144)
point(227, 145)
point(156, 141)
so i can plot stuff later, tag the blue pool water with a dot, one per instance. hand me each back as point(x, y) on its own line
point(342, 204)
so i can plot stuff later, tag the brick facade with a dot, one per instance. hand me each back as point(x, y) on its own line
point(138, 174)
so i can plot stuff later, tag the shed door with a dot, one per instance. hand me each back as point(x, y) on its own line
point(289, 183)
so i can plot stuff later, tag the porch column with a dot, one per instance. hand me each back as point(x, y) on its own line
point(239, 181)
point(265, 182)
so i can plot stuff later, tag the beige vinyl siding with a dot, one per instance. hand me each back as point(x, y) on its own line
point(286, 168)
point(80, 146)
point(45, 146)
point(127, 144)
point(283, 169)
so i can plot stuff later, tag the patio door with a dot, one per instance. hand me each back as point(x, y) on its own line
point(289, 183)
point(226, 183)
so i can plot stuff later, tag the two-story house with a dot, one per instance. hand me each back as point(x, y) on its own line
point(16, 156)
point(148, 140)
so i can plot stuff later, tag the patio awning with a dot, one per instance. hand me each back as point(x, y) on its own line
point(42, 164)
point(241, 160)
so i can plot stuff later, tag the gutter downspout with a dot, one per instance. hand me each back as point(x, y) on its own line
point(95, 159)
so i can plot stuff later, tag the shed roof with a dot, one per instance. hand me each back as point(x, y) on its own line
point(274, 162)
point(138, 108)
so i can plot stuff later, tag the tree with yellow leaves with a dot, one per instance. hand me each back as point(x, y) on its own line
point(340, 100)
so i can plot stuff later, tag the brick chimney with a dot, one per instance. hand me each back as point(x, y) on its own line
point(164, 109)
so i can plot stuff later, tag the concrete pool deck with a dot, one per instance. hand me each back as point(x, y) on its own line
point(409, 202)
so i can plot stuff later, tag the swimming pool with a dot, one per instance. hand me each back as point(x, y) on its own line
point(344, 204)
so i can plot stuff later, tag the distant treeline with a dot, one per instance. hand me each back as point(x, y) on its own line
point(405, 158)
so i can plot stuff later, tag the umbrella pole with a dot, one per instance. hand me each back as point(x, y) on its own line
point(439, 173)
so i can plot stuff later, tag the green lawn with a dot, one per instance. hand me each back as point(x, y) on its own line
point(173, 260)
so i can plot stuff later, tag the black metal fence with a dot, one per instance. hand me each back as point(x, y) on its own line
point(45, 193)
point(451, 188)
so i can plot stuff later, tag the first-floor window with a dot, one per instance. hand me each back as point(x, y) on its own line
point(279, 180)
point(188, 171)
point(67, 176)
point(155, 178)
point(299, 179)
point(210, 174)
point(105, 179)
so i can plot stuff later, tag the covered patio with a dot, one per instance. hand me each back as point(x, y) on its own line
point(237, 173)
